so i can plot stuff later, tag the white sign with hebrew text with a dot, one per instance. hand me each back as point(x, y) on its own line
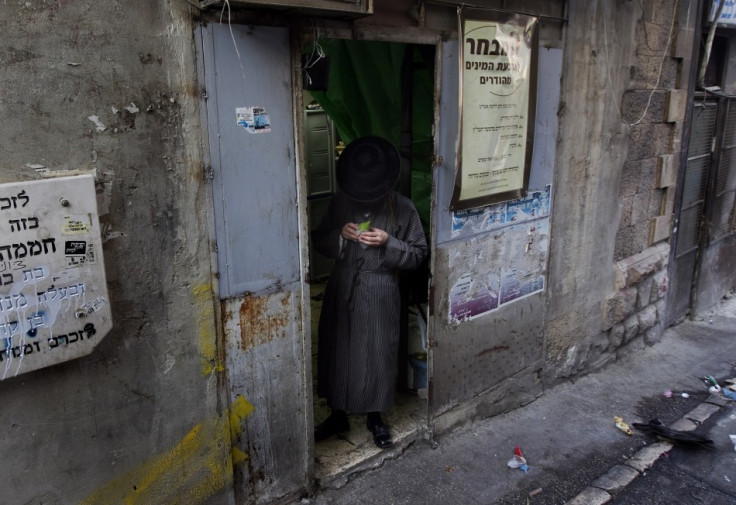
point(54, 305)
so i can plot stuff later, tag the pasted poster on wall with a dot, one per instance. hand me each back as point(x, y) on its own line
point(497, 106)
point(728, 12)
point(503, 270)
point(253, 119)
point(54, 305)
point(535, 205)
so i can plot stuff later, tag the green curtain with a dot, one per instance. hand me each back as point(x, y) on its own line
point(364, 98)
point(364, 91)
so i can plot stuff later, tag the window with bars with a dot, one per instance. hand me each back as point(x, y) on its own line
point(696, 176)
point(723, 214)
point(709, 188)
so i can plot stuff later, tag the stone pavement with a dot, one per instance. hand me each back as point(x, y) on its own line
point(568, 436)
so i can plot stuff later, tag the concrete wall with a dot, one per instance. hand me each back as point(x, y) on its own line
point(621, 129)
point(140, 419)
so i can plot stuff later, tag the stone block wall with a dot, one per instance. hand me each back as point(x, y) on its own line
point(633, 313)
point(654, 108)
point(636, 307)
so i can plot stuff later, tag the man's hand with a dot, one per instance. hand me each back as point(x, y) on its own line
point(373, 237)
point(350, 232)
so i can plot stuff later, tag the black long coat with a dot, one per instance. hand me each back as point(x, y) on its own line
point(359, 324)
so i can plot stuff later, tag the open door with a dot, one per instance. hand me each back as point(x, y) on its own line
point(489, 272)
point(391, 93)
point(249, 114)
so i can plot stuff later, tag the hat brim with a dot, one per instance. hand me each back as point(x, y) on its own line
point(368, 169)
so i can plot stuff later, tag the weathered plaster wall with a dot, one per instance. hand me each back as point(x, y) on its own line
point(109, 88)
point(626, 85)
point(592, 148)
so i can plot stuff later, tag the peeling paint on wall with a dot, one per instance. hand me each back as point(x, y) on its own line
point(261, 323)
point(96, 120)
point(203, 296)
point(192, 471)
point(240, 410)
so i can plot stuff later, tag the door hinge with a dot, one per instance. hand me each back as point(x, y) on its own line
point(209, 173)
point(437, 160)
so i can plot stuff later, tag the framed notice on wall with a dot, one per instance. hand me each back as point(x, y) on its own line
point(497, 104)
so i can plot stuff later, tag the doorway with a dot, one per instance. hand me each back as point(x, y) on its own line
point(701, 267)
point(354, 88)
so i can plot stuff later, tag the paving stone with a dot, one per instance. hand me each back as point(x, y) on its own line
point(645, 457)
point(616, 479)
point(590, 496)
point(719, 400)
point(702, 412)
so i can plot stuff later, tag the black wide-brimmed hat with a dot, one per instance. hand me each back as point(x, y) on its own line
point(368, 168)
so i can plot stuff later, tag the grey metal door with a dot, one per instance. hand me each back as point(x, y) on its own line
point(715, 273)
point(689, 222)
point(250, 119)
point(469, 357)
point(703, 270)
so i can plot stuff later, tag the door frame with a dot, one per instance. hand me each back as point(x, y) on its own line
point(302, 34)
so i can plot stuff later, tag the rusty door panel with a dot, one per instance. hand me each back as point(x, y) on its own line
point(265, 366)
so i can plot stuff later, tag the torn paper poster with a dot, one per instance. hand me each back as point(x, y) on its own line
point(535, 205)
point(253, 119)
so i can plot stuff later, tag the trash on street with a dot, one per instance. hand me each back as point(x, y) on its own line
point(621, 425)
point(518, 461)
point(716, 388)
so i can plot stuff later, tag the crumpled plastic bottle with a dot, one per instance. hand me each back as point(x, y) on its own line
point(716, 388)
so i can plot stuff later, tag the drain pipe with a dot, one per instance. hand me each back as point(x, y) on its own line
point(709, 43)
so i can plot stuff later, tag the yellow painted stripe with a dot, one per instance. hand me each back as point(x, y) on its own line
point(205, 315)
point(196, 468)
point(239, 410)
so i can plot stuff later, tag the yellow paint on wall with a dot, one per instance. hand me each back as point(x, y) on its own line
point(195, 469)
point(205, 314)
point(238, 456)
point(239, 410)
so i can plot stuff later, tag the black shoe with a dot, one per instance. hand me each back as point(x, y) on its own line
point(381, 434)
point(336, 423)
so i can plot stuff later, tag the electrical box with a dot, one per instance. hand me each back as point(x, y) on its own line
point(343, 8)
point(54, 305)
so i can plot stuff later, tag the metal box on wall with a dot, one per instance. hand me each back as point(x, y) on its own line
point(54, 305)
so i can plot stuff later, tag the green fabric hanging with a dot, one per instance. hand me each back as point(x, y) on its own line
point(364, 93)
point(364, 98)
